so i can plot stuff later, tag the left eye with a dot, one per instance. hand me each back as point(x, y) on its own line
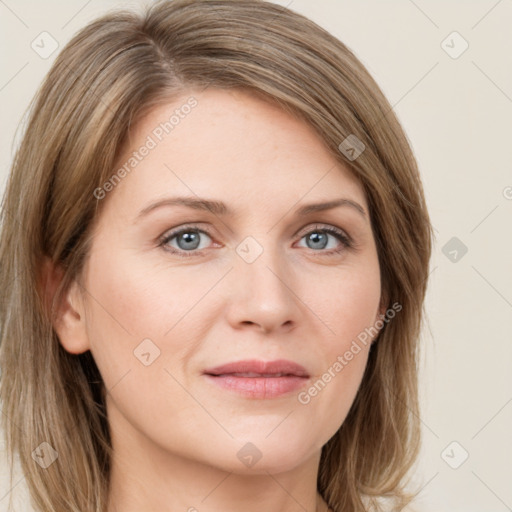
point(188, 240)
point(319, 239)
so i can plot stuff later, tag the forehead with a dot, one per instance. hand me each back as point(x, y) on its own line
point(231, 145)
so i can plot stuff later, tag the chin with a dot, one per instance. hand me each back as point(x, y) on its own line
point(257, 454)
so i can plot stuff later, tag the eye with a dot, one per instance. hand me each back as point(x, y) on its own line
point(318, 239)
point(187, 240)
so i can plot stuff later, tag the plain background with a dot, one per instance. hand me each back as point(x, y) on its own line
point(456, 110)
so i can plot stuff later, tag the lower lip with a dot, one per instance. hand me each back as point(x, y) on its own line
point(259, 387)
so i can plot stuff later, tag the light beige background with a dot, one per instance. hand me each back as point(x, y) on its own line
point(457, 113)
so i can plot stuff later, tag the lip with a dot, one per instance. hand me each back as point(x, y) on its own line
point(259, 379)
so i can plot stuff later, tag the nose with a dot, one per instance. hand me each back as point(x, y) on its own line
point(263, 294)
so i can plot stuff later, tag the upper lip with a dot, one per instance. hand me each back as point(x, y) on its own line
point(279, 367)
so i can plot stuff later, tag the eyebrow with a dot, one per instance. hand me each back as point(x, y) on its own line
point(220, 208)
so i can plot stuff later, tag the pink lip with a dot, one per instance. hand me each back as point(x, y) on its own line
point(265, 379)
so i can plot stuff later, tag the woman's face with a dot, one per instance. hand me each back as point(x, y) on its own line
point(256, 278)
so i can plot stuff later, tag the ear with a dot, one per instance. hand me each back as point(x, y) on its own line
point(68, 315)
point(383, 306)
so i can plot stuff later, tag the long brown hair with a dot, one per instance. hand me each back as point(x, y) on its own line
point(110, 74)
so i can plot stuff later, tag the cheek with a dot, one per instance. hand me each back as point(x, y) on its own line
point(135, 310)
point(349, 309)
point(349, 304)
point(124, 309)
point(138, 300)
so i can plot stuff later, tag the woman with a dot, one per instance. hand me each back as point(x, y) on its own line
point(214, 252)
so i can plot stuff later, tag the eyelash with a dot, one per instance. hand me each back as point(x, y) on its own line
point(346, 241)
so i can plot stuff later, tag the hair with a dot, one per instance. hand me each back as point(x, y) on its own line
point(114, 71)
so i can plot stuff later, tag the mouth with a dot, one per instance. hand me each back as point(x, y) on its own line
point(259, 379)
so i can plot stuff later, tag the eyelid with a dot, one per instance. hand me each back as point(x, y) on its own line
point(321, 226)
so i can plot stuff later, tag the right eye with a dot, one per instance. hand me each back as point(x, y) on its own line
point(186, 241)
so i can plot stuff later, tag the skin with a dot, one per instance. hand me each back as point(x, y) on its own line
point(175, 434)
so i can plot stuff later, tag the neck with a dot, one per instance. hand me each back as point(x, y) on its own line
point(194, 487)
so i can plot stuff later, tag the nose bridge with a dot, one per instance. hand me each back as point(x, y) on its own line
point(262, 279)
point(262, 262)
